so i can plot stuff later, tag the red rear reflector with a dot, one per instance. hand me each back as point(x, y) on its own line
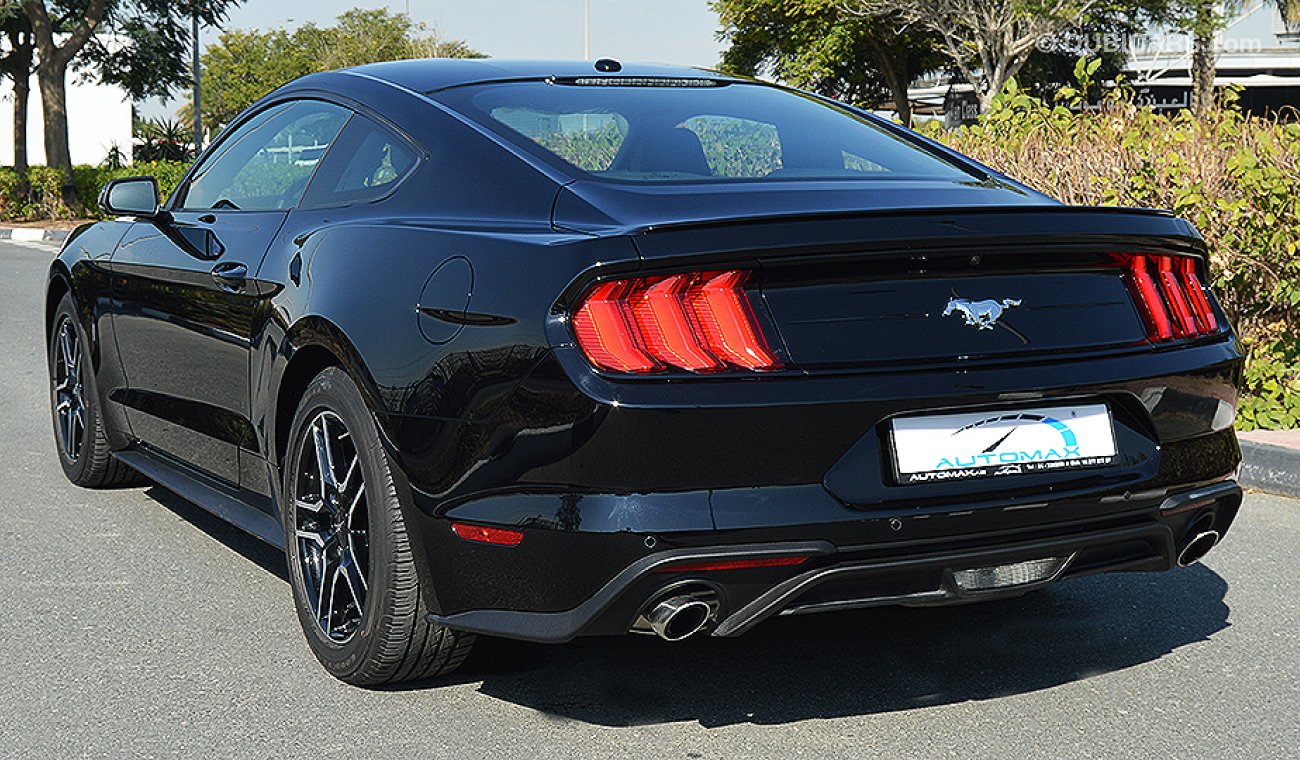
point(1170, 295)
point(699, 322)
point(730, 564)
point(485, 535)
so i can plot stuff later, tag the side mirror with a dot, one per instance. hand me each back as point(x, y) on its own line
point(130, 196)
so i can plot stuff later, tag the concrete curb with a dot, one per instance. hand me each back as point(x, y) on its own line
point(33, 234)
point(1274, 469)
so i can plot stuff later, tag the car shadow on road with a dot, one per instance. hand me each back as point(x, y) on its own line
point(835, 664)
point(259, 553)
point(862, 662)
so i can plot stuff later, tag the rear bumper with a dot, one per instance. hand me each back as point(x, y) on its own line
point(1146, 538)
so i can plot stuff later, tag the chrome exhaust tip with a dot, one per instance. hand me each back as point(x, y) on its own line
point(680, 616)
point(1198, 547)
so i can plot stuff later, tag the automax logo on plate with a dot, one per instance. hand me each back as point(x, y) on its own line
point(974, 445)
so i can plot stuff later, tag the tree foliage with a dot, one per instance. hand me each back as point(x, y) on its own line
point(146, 54)
point(988, 41)
point(148, 47)
point(816, 45)
point(247, 64)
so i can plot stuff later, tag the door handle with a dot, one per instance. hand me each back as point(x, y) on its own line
point(230, 275)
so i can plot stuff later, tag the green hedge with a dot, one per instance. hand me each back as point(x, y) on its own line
point(1236, 177)
point(42, 197)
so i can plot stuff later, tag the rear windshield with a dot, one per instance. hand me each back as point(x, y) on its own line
point(694, 130)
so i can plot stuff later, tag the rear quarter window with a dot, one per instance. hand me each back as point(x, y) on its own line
point(366, 163)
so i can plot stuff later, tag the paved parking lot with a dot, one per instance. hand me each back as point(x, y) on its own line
point(135, 625)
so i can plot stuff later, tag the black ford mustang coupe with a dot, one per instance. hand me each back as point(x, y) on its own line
point(542, 350)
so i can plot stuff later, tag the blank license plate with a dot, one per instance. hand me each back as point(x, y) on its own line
point(940, 447)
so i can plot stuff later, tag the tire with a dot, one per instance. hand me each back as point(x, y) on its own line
point(78, 419)
point(350, 564)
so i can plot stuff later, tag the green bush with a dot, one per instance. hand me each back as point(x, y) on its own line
point(46, 183)
point(168, 174)
point(10, 184)
point(1234, 176)
point(42, 196)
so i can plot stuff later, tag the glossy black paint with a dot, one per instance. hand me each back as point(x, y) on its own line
point(447, 302)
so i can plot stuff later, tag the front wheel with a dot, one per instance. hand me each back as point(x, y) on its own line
point(350, 564)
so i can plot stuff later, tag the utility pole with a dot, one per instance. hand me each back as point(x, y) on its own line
point(198, 111)
point(586, 30)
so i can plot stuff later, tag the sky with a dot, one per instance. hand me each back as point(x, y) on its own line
point(664, 31)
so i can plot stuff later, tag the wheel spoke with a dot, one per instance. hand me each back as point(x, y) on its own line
point(324, 575)
point(324, 460)
point(334, 589)
point(315, 537)
point(349, 571)
point(347, 476)
point(79, 429)
point(352, 508)
point(65, 346)
point(68, 444)
point(312, 506)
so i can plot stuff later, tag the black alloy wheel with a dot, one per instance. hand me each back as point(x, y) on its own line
point(355, 586)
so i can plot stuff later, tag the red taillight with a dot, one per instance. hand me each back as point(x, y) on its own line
point(731, 564)
point(485, 535)
point(1172, 288)
point(1170, 296)
point(668, 328)
point(727, 321)
point(1196, 291)
point(699, 322)
point(606, 332)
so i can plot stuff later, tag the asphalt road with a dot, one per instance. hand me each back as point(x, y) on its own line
point(135, 625)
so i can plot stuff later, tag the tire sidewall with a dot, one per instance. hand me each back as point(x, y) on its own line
point(334, 391)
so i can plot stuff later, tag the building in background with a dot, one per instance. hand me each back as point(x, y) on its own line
point(1257, 51)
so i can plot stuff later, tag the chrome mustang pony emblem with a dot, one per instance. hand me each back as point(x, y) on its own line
point(981, 314)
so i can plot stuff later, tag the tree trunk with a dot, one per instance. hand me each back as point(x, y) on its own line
point(902, 104)
point(51, 76)
point(1203, 67)
point(22, 94)
point(893, 65)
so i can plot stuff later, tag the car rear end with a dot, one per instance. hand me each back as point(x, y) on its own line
point(859, 447)
point(805, 396)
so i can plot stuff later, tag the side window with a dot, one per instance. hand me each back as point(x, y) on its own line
point(267, 163)
point(366, 163)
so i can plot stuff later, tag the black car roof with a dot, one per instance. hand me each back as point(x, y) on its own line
point(430, 74)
